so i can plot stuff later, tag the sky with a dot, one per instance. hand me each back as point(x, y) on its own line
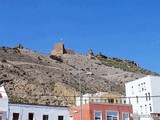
point(127, 29)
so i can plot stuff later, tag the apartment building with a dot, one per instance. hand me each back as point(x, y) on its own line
point(101, 106)
point(144, 95)
point(101, 111)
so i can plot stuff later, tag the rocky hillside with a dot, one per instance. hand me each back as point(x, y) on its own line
point(33, 77)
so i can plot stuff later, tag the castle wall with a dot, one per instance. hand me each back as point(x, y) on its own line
point(70, 51)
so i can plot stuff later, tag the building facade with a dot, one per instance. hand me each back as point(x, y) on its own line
point(12, 111)
point(102, 97)
point(144, 95)
point(3, 104)
point(37, 112)
point(101, 111)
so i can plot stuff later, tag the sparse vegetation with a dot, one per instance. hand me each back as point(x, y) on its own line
point(124, 65)
point(92, 57)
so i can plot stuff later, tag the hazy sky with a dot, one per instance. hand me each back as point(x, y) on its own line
point(128, 29)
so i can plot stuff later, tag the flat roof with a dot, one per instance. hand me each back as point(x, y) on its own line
point(40, 105)
point(115, 104)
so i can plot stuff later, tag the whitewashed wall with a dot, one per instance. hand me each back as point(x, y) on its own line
point(3, 104)
point(39, 111)
point(155, 90)
point(151, 86)
point(85, 99)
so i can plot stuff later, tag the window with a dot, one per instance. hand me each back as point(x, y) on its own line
point(97, 115)
point(132, 90)
point(146, 97)
point(112, 115)
point(85, 101)
point(111, 100)
point(45, 117)
point(120, 101)
point(141, 109)
point(60, 117)
point(149, 96)
point(137, 98)
point(139, 87)
point(125, 116)
point(129, 100)
point(146, 108)
point(142, 86)
point(150, 107)
point(15, 116)
point(30, 116)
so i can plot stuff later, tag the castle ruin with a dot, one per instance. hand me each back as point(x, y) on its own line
point(59, 50)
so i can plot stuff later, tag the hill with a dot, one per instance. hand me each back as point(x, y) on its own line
point(33, 77)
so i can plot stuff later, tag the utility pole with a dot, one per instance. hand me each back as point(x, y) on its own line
point(80, 90)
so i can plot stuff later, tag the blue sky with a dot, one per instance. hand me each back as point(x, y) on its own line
point(127, 29)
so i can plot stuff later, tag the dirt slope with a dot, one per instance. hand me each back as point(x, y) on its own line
point(33, 77)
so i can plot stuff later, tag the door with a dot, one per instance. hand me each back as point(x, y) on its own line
point(15, 116)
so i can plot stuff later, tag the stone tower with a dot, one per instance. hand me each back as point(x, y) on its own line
point(59, 50)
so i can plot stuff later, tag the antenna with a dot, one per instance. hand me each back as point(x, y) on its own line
point(61, 39)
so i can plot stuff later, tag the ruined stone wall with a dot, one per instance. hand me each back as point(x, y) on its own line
point(70, 51)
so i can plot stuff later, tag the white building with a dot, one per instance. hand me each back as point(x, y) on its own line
point(101, 97)
point(10, 111)
point(3, 104)
point(37, 112)
point(144, 95)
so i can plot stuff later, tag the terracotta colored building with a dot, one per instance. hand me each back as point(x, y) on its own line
point(102, 111)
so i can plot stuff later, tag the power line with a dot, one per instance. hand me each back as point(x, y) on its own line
point(92, 97)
